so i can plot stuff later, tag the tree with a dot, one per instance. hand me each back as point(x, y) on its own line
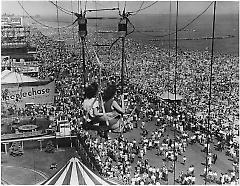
point(50, 147)
point(16, 149)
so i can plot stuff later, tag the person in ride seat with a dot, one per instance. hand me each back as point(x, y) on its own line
point(91, 105)
point(112, 108)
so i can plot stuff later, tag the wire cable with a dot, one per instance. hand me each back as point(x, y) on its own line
point(85, 6)
point(96, 52)
point(62, 9)
point(73, 35)
point(80, 5)
point(128, 21)
point(96, 22)
point(59, 38)
point(42, 23)
point(138, 9)
point(25, 38)
point(169, 45)
point(182, 28)
point(145, 7)
point(22, 13)
point(119, 12)
point(122, 68)
point(210, 89)
point(58, 22)
point(168, 84)
point(175, 97)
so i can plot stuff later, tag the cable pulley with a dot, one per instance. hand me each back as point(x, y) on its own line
point(82, 22)
point(122, 25)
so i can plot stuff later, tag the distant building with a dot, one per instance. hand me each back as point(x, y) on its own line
point(16, 53)
point(7, 20)
point(13, 33)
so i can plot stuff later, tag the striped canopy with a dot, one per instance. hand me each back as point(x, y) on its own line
point(76, 173)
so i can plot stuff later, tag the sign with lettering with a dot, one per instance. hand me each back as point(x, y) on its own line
point(19, 96)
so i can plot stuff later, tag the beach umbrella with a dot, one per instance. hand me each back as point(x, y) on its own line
point(76, 173)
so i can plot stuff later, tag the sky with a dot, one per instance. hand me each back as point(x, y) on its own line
point(45, 8)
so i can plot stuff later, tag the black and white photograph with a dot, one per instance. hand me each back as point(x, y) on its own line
point(119, 92)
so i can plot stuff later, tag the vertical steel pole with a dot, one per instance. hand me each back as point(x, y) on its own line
point(175, 98)
point(123, 59)
point(210, 90)
point(84, 63)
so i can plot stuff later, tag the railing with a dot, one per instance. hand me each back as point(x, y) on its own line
point(13, 45)
point(21, 135)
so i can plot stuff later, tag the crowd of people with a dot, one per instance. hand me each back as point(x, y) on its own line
point(149, 72)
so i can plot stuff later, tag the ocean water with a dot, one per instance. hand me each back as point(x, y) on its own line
point(148, 27)
point(225, 25)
